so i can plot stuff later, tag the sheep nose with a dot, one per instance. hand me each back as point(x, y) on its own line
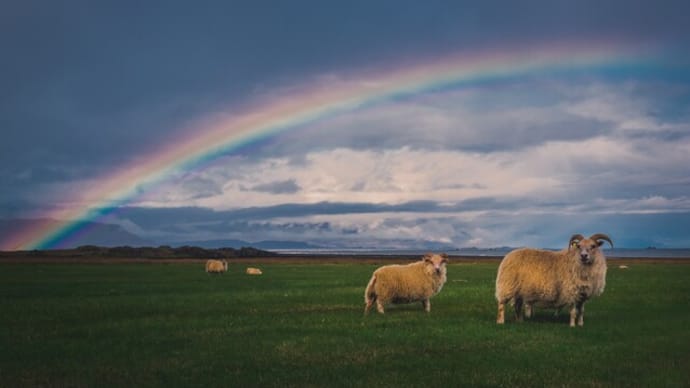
point(584, 256)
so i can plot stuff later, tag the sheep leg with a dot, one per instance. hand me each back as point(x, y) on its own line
point(370, 303)
point(577, 314)
point(518, 309)
point(379, 306)
point(528, 310)
point(573, 315)
point(501, 313)
point(581, 314)
point(427, 305)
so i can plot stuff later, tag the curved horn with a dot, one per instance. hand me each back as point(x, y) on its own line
point(601, 236)
point(575, 237)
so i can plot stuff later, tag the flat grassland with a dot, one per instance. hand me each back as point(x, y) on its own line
point(302, 324)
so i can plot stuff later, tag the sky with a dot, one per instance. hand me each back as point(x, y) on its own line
point(527, 155)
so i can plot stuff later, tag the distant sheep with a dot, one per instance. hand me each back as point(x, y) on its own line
point(253, 271)
point(567, 278)
point(216, 266)
point(415, 282)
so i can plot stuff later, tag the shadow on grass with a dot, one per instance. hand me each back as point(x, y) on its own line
point(545, 318)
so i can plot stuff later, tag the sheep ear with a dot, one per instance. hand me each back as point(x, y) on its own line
point(428, 256)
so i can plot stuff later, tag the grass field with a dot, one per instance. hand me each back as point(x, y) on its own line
point(302, 325)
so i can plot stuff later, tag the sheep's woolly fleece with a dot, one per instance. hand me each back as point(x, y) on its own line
point(415, 282)
point(253, 271)
point(216, 266)
point(567, 278)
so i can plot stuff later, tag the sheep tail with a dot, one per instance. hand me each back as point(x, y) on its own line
point(370, 294)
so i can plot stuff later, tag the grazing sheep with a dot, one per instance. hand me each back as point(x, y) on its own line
point(216, 266)
point(567, 278)
point(253, 271)
point(415, 282)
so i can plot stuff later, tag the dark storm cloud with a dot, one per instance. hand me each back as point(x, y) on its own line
point(258, 228)
point(152, 217)
point(283, 187)
point(100, 82)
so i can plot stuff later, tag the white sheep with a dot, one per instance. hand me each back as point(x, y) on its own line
point(567, 278)
point(253, 271)
point(415, 282)
point(216, 266)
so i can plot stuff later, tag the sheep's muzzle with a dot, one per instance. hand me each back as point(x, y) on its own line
point(585, 258)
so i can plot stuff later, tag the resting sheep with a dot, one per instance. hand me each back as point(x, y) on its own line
point(253, 271)
point(567, 278)
point(216, 266)
point(415, 282)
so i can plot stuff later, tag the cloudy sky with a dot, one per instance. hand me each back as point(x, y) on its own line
point(87, 87)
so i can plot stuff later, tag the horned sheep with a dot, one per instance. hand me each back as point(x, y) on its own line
point(415, 282)
point(567, 278)
point(216, 266)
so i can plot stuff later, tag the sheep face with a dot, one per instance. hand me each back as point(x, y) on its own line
point(587, 248)
point(436, 264)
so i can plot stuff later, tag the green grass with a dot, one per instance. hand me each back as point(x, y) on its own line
point(302, 325)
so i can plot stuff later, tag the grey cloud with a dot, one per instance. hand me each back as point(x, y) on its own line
point(282, 187)
point(261, 228)
point(466, 120)
point(195, 186)
point(152, 216)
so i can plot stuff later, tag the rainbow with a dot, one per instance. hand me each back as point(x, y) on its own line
point(223, 134)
